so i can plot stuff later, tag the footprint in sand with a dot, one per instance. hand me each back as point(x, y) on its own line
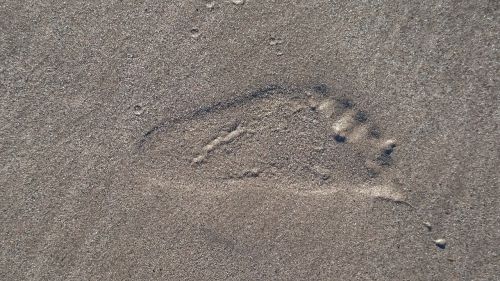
point(309, 140)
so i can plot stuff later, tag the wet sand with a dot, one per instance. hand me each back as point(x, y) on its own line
point(249, 140)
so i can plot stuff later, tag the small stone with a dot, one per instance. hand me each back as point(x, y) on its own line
point(441, 243)
point(390, 144)
point(138, 110)
point(238, 2)
point(210, 5)
point(428, 225)
point(195, 32)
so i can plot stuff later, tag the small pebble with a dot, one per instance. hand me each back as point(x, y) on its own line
point(138, 110)
point(238, 2)
point(441, 243)
point(195, 32)
point(428, 225)
point(210, 5)
point(388, 147)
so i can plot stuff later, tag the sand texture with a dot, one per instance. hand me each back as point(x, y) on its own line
point(249, 140)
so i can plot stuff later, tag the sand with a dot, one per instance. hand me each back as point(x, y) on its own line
point(249, 140)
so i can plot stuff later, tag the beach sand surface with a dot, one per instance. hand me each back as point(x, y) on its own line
point(249, 140)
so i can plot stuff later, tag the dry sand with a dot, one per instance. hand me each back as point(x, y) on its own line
point(249, 140)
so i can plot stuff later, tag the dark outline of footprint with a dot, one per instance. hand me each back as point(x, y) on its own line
point(262, 93)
